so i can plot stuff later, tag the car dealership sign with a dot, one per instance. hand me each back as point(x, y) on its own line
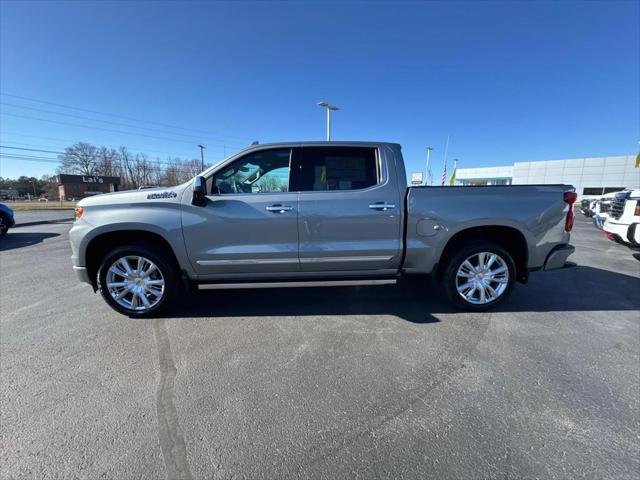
point(416, 178)
point(67, 179)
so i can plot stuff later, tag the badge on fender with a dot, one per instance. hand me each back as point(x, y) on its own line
point(156, 196)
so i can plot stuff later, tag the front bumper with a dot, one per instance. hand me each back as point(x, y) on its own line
point(618, 229)
point(633, 234)
point(623, 233)
point(82, 274)
point(557, 258)
point(77, 234)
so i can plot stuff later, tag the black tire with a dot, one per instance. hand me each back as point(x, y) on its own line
point(4, 224)
point(164, 264)
point(455, 261)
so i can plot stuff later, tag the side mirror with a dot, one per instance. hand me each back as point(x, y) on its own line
point(199, 191)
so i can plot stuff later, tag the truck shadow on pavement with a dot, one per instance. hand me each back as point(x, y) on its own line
point(13, 240)
point(576, 289)
point(582, 288)
point(283, 302)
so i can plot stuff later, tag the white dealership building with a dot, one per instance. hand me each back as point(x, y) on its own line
point(592, 177)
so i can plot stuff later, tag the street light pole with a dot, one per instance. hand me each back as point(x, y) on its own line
point(329, 108)
point(427, 174)
point(202, 147)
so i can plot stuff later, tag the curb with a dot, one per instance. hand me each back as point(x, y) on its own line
point(41, 222)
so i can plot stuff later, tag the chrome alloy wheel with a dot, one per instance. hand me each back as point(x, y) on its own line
point(135, 283)
point(482, 278)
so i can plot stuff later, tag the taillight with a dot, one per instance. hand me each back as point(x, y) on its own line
point(78, 212)
point(636, 212)
point(570, 198)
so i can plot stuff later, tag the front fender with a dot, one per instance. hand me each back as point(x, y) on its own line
point(163, 220)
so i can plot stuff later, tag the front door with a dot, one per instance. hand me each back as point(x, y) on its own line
point(349, 210)
point(249, 224)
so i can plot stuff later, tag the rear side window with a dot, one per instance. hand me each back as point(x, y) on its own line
point(337, 168)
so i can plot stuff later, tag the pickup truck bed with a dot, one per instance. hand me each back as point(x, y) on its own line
point(531, 215)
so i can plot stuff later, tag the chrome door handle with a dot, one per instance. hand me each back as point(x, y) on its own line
point(381, 206)
point(279, 208)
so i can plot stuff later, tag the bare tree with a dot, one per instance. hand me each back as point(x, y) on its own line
point(108, 162)
point(79, 159)
point(134, 170)
point(190, 169)
point(49, 186)
point(173, 172)
point(129, 173)
point(141, 169)
point(156, 173)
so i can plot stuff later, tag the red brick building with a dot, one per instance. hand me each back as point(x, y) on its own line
point(80, 186)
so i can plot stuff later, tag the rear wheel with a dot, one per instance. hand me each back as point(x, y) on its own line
point(479, 276)
point(137, 280)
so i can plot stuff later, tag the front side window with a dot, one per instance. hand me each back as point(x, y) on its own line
point(337, 168)
point(265, 171)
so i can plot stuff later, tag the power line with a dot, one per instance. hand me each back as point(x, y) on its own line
point(28, 158)
point(120, 116)
point(35, 158)
point(122, 132)
point(80, 117)
point(51, 151)
point(67, 141)
point(31, 149)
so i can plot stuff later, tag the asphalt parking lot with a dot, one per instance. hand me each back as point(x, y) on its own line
point(368, 382)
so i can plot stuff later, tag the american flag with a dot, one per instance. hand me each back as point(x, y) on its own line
point(444, 173)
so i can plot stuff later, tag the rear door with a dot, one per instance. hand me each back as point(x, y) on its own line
point(349, 215)
point(249, 224)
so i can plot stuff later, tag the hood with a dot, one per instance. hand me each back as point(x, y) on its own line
point(135, 196)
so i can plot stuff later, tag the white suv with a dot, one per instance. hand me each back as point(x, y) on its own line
point(623, 221)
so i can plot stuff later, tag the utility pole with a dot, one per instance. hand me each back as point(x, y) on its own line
point(202, 147)
point(427, 176)
point(329, 108)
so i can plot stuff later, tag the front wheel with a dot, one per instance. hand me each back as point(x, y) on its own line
point(4, 225)
point(479, 276)
point(137, 280)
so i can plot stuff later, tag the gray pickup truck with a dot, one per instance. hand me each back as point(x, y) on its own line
point(316, 214)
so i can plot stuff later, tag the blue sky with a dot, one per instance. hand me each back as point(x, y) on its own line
point(507, 81)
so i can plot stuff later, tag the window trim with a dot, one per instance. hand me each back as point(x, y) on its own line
point(381, 170)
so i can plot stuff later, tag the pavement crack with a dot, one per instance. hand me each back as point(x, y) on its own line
point(171, 440)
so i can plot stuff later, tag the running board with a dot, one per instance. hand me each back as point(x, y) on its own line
point(301, 283)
